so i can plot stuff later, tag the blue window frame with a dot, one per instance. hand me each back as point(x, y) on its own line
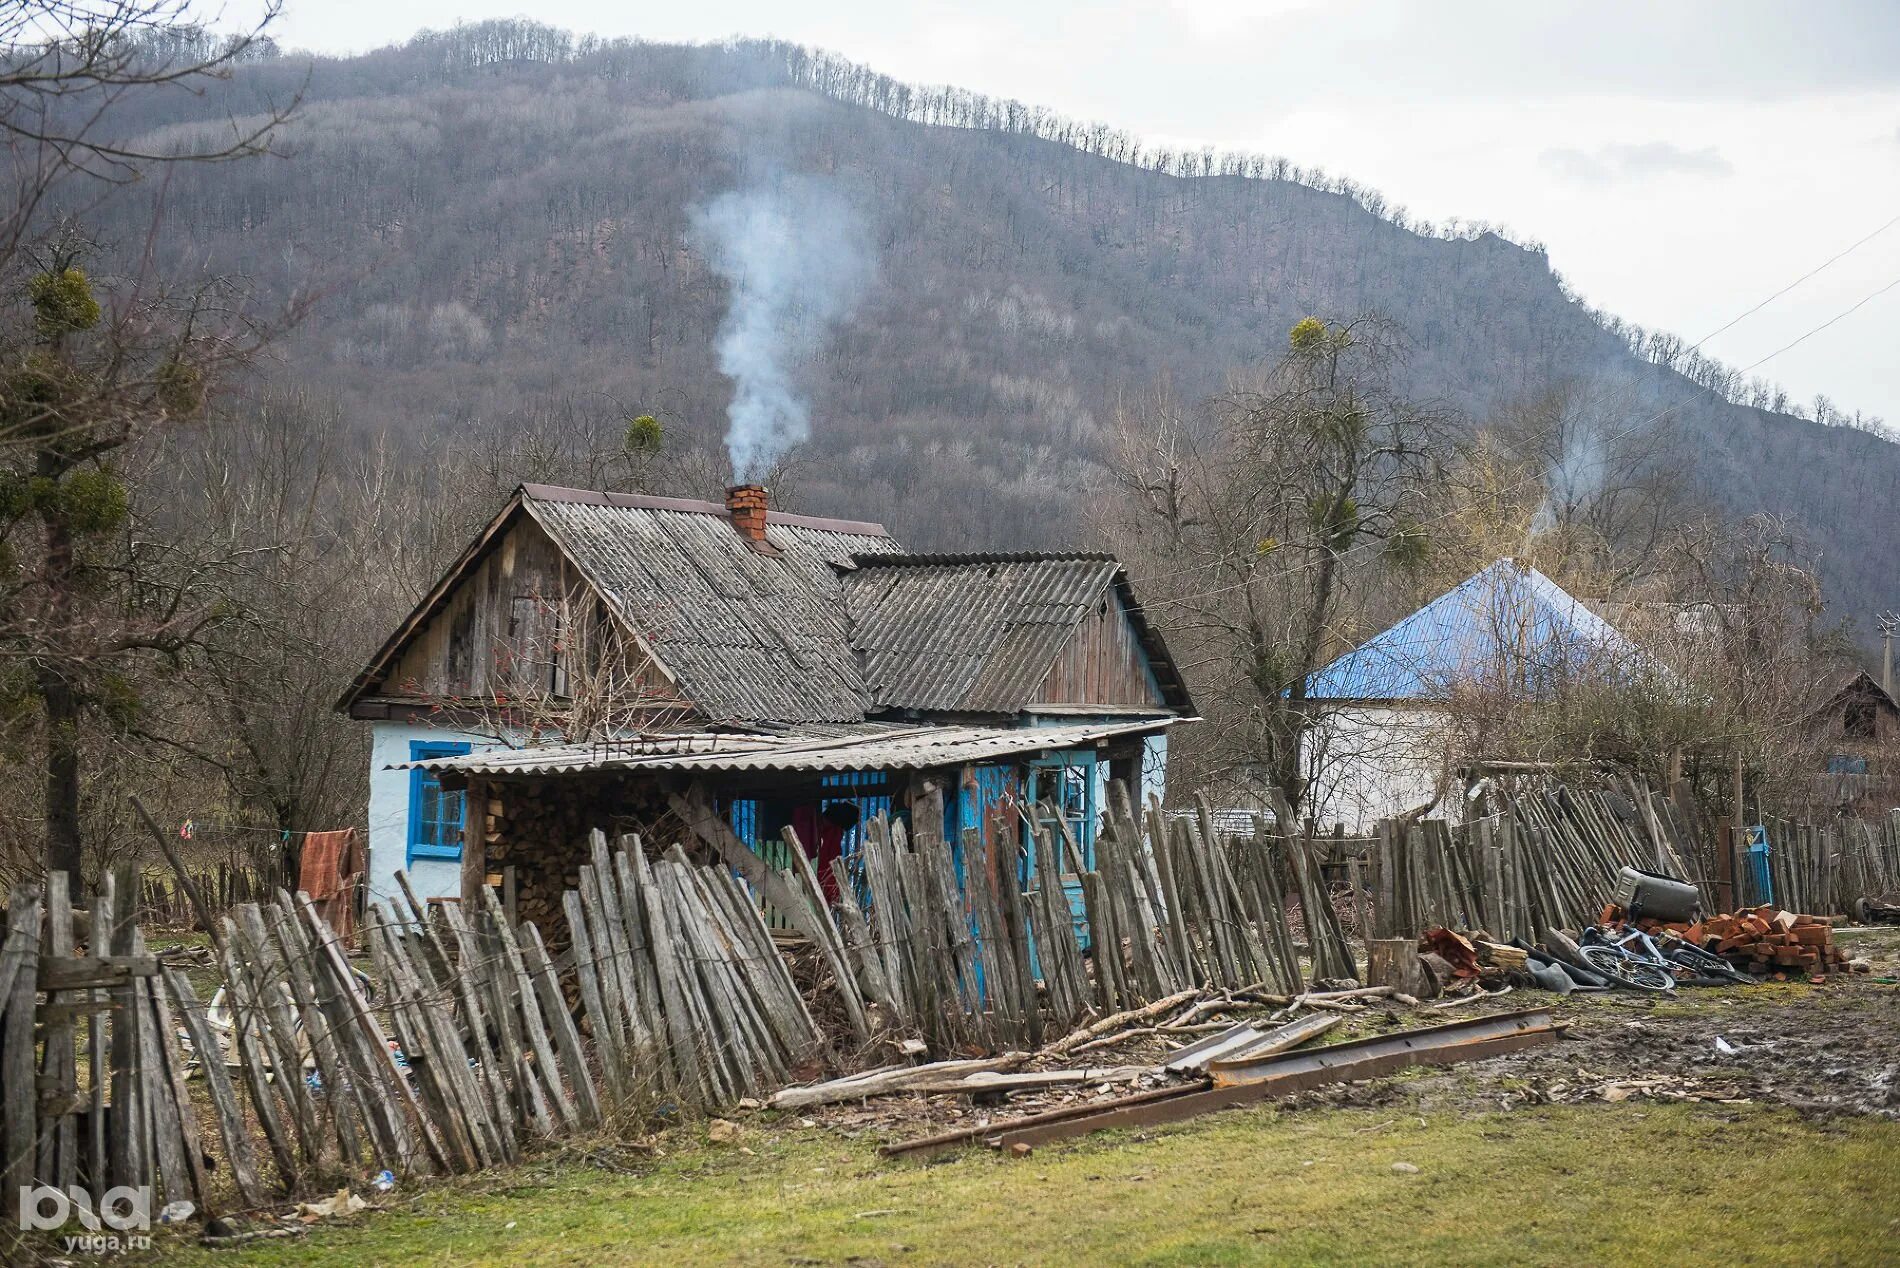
point(1067, 782)
point(435, 813)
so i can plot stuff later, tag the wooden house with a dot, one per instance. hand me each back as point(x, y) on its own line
point(687, 669)
point(1855, 724)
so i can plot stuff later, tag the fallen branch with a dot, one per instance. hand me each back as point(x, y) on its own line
point(1480, 993)
point(883, 1082)
point(1076, 1038)
point(1120, 1036)
point(989, 1081)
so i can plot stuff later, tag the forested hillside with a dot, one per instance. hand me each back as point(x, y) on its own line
point(496, 225)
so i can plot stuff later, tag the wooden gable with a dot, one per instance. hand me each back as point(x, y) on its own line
point(1103, 663)
point(494, 632)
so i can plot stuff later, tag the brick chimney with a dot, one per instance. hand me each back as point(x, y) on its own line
point(747, 504)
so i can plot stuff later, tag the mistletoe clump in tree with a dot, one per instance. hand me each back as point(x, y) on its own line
point(82, 600)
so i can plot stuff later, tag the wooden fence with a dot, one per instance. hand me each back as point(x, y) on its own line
point(298, 1076)
point(163, 901)
point(1550, 860)
point(977, 959)
point(1825, 867)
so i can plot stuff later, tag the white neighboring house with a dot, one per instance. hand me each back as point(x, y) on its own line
point(1381, 744)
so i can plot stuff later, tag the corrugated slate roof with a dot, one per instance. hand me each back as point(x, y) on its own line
point(1508, 620)
point(777, 637)
point(875, 748)
point(746, 636)
point(968, 634)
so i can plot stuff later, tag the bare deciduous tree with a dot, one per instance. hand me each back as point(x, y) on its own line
point(1247, 523)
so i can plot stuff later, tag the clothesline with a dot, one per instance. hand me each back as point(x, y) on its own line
point(188, 829)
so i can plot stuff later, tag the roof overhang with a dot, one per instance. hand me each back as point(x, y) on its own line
point(888, 748)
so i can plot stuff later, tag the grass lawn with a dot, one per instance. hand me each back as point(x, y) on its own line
point(1632, 1183)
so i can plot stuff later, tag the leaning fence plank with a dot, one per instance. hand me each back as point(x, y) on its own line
point(127, 1125)
point(17, 1111)
point(170, 1143)
point(567, 1039)
point(429, 1066)
point(377, 1061)
point(278, 1028)
point(339, 1091)
point(183, 1110)
point(514, 976)
point(473, 976)
point(587, 974)
point(59, 1147)
point(246, 1021)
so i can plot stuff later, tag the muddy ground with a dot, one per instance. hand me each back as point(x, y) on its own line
point(1822, 1049)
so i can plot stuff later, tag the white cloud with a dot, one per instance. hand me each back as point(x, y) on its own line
point(1639, 161)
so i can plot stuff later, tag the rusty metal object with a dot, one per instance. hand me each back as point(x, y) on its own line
point(1249, 1081)
point(925, 1146)
point(1343, 1062)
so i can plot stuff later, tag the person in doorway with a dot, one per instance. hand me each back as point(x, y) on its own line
point(821, 830)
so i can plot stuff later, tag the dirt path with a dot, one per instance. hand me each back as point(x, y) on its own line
point(1833, 1048)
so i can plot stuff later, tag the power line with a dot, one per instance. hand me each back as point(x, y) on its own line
point(1824, 325)
point(1841, 255)
point(1611, 438)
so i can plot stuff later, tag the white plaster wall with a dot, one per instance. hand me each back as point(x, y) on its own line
point(1154, 767)
point(1370, 762)
point(389, 812)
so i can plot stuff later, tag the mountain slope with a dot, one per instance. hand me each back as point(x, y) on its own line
point(499, 222)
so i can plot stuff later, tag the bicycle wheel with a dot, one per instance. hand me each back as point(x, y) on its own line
point(1626, 970)
point(1649, 977)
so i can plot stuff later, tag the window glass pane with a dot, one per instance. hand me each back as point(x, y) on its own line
point(435, 826)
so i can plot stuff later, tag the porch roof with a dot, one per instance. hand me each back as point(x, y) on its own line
point(884, 748)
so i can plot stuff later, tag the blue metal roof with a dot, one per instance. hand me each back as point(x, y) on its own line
point(1508, 625)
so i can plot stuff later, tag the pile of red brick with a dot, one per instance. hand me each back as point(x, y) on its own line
point(1766, 941)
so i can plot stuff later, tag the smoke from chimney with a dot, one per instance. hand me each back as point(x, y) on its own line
point(793, 253)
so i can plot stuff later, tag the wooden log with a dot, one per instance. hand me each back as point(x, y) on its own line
point(884, 1082)
point(1394, 962)
point(1130, 1017)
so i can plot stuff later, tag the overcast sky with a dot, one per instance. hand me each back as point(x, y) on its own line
point(1682, 161)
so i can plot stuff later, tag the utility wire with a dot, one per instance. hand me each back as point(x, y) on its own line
point(1824, 325)
point(1611, 438)
point(1790, 286)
